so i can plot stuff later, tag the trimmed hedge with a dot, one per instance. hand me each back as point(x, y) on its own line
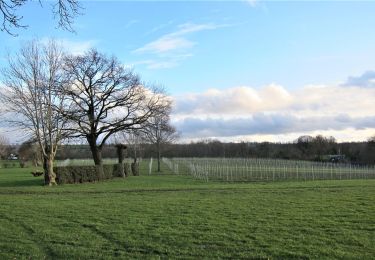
point(116, 170)
point(80, 174)
point(135, 168)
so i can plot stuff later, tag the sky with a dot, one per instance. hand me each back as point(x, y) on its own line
point(236, 70)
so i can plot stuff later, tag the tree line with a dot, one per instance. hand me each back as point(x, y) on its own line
point(317, 148)
point(309, 148)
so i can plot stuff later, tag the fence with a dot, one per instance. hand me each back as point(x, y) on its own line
point(251, 169)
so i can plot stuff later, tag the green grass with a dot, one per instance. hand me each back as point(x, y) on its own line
point(9, 164)
point(169, 216)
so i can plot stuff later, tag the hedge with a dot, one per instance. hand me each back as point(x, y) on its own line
point(80, 174)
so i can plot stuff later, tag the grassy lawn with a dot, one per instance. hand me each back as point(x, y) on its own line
point(169, 216)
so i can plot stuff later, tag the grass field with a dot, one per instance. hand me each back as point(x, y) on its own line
point(9, 164)
point(170, 216)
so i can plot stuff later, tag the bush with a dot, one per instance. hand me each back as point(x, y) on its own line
point(76, 174)
point(80, 174)
point(117, 170)
point(22, 164)
point(109, 171)
point(135, 169)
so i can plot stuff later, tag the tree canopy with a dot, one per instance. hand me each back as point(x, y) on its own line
point(105, 98)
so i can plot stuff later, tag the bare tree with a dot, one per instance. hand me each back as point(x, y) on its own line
point(133, 138)
point(30, 151)
point(31, 80)
point(159, 131)
point(64, 11)
point(4, 144)
point(106, 99)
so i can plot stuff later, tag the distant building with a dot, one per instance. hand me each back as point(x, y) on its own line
point(12, 157)
point(336, 158)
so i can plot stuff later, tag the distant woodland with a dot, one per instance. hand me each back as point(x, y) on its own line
point(305, 148)
point(317, 148)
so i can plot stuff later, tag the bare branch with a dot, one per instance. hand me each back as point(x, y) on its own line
point(31, 81)
point(158, 130)
point(11, 20)
point(65, 11)
point(106, 98)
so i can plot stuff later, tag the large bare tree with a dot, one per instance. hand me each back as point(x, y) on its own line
point(159, 131)
point(64, 11)
point(106, 98)
point(31, 79)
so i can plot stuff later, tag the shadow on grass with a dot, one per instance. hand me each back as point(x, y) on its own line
point(21, 183)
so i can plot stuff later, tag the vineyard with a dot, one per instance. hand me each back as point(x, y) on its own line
point(250, 169)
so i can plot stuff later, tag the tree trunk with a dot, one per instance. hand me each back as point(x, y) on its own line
point(120, 154)
point(49, 175)
point(158, 152)
point(97, 156)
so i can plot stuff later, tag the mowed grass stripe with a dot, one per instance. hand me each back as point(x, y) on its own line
point(177, 217)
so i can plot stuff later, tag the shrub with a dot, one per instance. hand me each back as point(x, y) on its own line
point(75, 174)
point(109, 171)
point(22, 164)
point(127, 169)
point(117, 170)
point(80, 174)
point(135, 169)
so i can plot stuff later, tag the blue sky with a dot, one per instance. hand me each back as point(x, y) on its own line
point(202, 50)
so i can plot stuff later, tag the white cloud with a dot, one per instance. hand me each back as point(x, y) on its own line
point(366, 80)
point(154, 64)
point(252, 3)
point(192, 27)
point(75, 47)
point(166, 44)
point(308, 101)
point(78, 47)
point(233, 101)
point(131, 23)
point(175, 40)
point(274, 111)
point(159, 27)
point(171, 49)
point(169, 62)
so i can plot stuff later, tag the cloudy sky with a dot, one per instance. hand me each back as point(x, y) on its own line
point(237, 70)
